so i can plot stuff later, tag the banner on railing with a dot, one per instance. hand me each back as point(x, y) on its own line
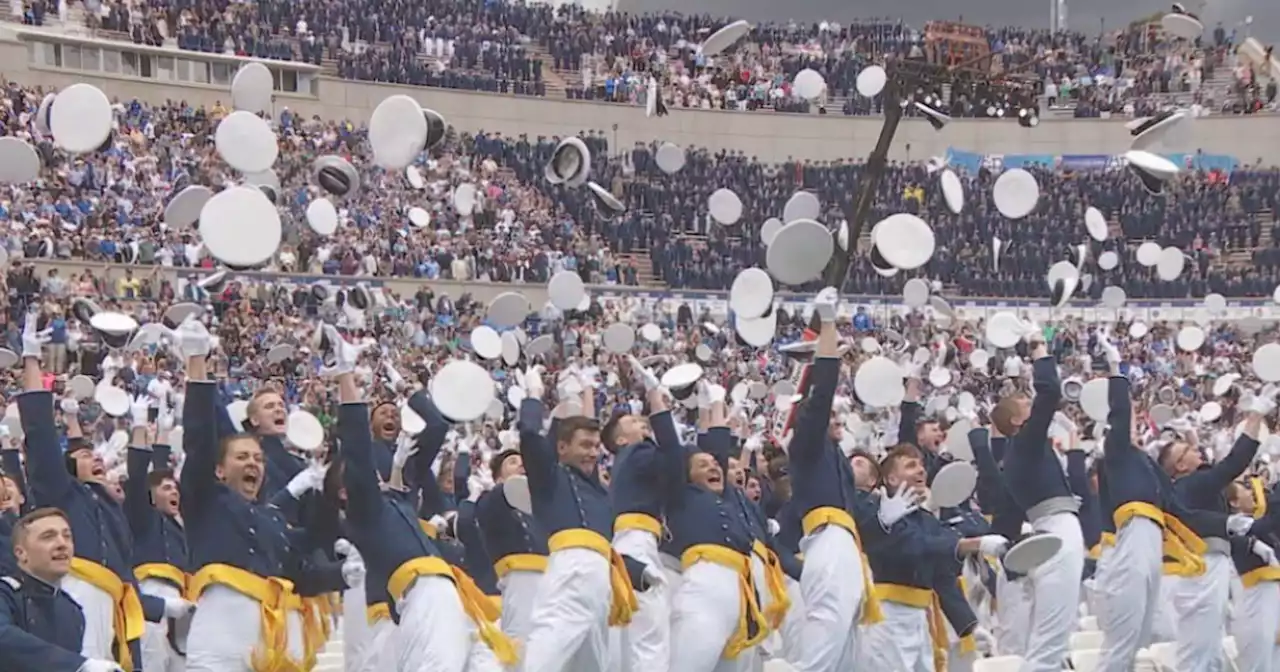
point(972, 162)
point(882, 307)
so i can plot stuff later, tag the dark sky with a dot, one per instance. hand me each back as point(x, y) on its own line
point(1082, 14)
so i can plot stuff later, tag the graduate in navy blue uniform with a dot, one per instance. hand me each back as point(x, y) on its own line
point(41, 627)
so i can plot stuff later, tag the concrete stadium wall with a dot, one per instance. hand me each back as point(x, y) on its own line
point(769, 137)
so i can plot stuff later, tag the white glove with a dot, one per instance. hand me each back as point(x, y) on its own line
point(353, 569)
point(1109, 350)
point(138, 412)
point(345, 355)
point(983, 640)
point(91, 665)
point(642, 375)
point(826, 304)
point(754, 443)
point(33, 340)
point(165, 420)
point(531, 381)
point(993, 544)
point(1032, 332)
point(69, 406)
point(405, 447)
point(1264, 552)
point(704, 395)
point(464, 446)
point(774, 527)
point(176, 607)
point(191, 339)
point(394, 377)
point(1239, 524)
point(475, 488)
point(311, 478)
point(895, 508)
point(1261, 405)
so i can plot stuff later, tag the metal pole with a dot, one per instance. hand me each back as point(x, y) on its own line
point(868, 182)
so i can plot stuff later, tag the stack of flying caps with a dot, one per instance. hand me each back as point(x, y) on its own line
point(751, 300)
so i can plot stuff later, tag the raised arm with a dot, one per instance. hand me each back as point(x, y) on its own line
point(49, 481)
point(1117, 444)
point(199, 441)
point(1217, 477)
point(430, 441)
point(1034, 435)
point(137, 499)
point(360, 471)
point(810, 437)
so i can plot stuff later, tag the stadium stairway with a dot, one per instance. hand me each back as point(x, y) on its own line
point(555, 80)
point(644, 268)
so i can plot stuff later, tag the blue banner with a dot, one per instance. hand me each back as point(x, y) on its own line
point(972, 162)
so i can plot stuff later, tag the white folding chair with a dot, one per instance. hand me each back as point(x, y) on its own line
point(1086, 639)
point(998, 664)
point(1085, 660)
point(1164, 654)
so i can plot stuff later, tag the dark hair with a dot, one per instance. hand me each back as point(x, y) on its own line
point(902, 451)
point(569, 427)
point(609, 433)
point(158, 476)
point(495, 462)
point(871, 459)
point(20, 527)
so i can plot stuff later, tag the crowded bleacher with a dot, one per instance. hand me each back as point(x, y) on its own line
point(288, 393)
point(526, 229)
point(541, 50)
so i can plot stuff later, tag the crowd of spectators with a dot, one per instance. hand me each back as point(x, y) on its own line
point(500, 47)
point(108, 207)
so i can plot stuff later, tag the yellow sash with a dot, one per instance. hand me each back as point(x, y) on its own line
point(163, 571)
point(475, 603)
point(1259, 497)
point(748, 605)
point(520, 562)
point(637, 521)
point(1182, 545)
point(624, 602)
point(779, 601)
point(829, 515)
point(127, 619)
point(921, 598)
point(275, 598)
point(375, 613)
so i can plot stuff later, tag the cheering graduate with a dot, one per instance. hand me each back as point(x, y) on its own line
point(1148, 519)
point(515, 542)
point(151, 504)
point(1200, 602)
point(824, 494)
point(911, 553)
point(41, 626)
point(1256, 620)
point(586, 587)
point(637, 487)
point(244, 557)
point(445, 622)
point(1038, 485)
point(101, 578)
point(716, 615)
